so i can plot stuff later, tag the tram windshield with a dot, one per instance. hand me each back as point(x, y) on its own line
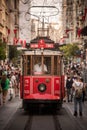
point(42, 65)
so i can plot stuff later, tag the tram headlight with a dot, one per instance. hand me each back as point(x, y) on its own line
point(42, 87)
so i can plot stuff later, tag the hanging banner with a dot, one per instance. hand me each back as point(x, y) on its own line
point(15, 41)
point(8, 31)
point(15, 31)
point(24, 43)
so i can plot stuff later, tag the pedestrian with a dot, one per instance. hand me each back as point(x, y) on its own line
point(84, 93)
point(14, 82)
point(78, 95)
point(0, 93)
point(4, 83)
point(69, 83)
point(11, 92)
point(17, 75)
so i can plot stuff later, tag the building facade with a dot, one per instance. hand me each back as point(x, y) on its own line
point(9, 20)
point(75, 18)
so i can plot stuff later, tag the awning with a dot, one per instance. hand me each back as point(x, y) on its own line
point(84, 31)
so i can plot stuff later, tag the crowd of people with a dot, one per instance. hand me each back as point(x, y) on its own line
point(75, 87)
point(9, 81)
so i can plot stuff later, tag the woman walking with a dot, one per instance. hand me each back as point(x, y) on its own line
point(4, 83)
point(78, 89)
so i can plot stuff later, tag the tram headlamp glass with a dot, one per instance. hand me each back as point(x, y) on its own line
point(42, 87)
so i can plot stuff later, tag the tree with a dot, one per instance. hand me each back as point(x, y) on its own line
point(70, 50)
point(13, 52)
point(2, 50)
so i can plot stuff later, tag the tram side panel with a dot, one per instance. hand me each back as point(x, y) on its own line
point(63, 86)
point(24, 86)
point(57, 87)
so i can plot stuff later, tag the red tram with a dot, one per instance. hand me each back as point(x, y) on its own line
point(42, 77)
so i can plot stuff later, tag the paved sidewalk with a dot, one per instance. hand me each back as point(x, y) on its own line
point(70, 107)
point(8, 110)
point(8, 97)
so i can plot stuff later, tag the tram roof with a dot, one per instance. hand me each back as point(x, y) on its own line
point(46, 40)
point(41, 52)
point(41, 44)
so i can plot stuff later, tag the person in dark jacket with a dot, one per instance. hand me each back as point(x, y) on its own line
point(69, 83)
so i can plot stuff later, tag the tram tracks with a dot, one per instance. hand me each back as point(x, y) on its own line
point(57, 123)
point(28, 123)
point(49, 122)
point(46, 120)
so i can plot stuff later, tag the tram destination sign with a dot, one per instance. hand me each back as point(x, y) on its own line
point(42, 44)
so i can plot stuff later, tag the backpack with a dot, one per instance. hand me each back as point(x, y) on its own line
point(78, 93)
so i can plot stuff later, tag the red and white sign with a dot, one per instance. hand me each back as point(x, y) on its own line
point(42, 44)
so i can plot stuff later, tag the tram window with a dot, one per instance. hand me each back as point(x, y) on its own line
point(47, 62)
point(41, 65)
point(37, 60)
point(37, 65)
point(57, 65)
point(28, 65)
point(24, 63)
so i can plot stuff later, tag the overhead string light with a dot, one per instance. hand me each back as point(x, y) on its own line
point(55, 1)
point(24, 1)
